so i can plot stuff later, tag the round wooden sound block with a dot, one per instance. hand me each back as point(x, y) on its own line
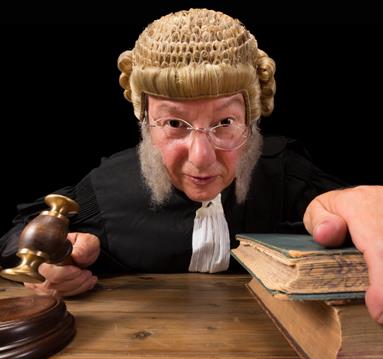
point(34, 327)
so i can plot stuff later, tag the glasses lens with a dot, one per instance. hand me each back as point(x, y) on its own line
point(174, 128)
point(226, 136)
point(229, 136)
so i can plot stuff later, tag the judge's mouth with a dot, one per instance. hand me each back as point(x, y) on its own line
point(201, 180)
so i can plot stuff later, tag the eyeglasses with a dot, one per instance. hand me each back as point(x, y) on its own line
point(227, 134)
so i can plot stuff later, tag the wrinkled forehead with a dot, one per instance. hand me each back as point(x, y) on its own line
point(237, 100)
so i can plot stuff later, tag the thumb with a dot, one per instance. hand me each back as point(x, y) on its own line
point(86, 248)
point(374, 294)
point(327, 228)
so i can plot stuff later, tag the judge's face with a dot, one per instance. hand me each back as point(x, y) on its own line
point(194, 163)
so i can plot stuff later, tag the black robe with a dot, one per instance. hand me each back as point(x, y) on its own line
point(137, 237)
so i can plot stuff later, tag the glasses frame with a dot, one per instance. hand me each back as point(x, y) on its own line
point(208, 131)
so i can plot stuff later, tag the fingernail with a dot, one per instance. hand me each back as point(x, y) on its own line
point(319, 227)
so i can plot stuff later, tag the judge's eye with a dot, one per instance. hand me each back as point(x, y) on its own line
point(225, 122)
point(175, 123)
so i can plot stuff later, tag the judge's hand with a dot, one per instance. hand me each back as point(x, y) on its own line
point(358, 210)
point(68, 280)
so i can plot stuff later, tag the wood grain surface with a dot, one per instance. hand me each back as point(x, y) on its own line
point(169, 316)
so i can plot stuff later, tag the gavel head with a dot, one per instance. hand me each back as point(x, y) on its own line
point(44, 240)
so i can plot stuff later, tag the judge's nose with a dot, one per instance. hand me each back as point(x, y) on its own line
point(201, 151)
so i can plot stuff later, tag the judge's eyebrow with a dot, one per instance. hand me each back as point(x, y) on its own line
point(178, 111)
point(172, 108)
point(232, 101)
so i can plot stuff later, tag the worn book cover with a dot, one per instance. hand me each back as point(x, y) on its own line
point(296, 267)
point(323, 329)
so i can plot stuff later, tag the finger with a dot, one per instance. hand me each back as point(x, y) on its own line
point(374, 295)
point(40, 289)
point(30, 285)
point(331, 232)
point(69, 285)
point(86, 248)
point(82, 288)
point(55, 274)
point(84, 282)
point(58, 274)
point(327, 228)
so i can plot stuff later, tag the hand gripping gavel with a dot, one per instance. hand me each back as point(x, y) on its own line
point(44, 240)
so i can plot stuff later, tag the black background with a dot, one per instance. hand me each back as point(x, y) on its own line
point(62, 108)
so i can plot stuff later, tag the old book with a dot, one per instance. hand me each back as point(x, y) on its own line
point(323, 329)
point(298, 267)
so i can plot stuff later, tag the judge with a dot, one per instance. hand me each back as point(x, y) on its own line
point(202, 172)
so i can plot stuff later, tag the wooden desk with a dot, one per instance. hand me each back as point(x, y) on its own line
point(169, 316)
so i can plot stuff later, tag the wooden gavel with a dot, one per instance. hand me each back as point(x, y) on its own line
point(44, 240)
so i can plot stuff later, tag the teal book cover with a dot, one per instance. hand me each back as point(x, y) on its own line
point(294, 245)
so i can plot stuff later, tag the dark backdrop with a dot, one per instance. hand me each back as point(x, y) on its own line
point(62, 108)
